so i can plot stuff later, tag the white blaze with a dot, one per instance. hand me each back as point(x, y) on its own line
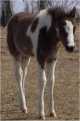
point(69, 29)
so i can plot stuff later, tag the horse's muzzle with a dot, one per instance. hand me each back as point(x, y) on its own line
point(70, 48)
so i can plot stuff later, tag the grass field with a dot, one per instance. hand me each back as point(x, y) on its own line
point(66, 90)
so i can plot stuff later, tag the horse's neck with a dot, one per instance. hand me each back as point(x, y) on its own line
point(44, 19)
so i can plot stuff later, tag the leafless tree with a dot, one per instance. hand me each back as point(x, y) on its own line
point(65, 3)
point(8, 10)
point(5, 12)
point(34, 6)
point(26, 6)
point(43, 4)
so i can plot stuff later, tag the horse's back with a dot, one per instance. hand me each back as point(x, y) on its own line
point(16, 32)
point(23, 19)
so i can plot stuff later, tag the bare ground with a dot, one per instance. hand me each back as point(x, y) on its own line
point(66, 90)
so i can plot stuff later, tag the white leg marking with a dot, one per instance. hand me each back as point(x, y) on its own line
point(19, 77)
point(42, 84)
point(24, 65)
point(51, 80)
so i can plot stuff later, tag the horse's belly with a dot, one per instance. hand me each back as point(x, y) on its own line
point(26, 51)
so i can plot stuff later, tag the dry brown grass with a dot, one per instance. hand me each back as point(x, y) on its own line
point(66, 90)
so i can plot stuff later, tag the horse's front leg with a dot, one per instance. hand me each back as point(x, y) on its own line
point(51, 80)
point(42, 84)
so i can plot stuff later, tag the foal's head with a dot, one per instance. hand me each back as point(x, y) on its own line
point(67, 29)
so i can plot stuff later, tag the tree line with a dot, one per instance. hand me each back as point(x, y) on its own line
point(6, 8)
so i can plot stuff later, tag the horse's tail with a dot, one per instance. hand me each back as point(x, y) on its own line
point(10, 36)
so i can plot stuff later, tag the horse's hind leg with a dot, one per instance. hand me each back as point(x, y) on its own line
point(20, 76)
point(24, 65)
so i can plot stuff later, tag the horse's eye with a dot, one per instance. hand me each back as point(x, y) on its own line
point(64, 23)
point(62, 29)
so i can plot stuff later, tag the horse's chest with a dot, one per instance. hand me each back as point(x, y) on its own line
point(47, 52)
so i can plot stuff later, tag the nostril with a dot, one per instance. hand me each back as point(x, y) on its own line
point(70, 48)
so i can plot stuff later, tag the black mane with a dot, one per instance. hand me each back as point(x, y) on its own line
point(59, 12)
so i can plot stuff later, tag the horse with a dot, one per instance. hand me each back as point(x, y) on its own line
point(40, 36)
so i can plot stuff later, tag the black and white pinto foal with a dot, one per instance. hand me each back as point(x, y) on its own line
point(40, 36)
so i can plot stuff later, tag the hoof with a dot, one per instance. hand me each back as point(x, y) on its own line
point(25, 111)
point(42, 117)
point(53, 114)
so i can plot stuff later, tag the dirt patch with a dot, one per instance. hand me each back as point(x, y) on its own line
point(66, 90)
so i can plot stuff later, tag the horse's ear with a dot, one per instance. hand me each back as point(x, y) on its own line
point(73, 12)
